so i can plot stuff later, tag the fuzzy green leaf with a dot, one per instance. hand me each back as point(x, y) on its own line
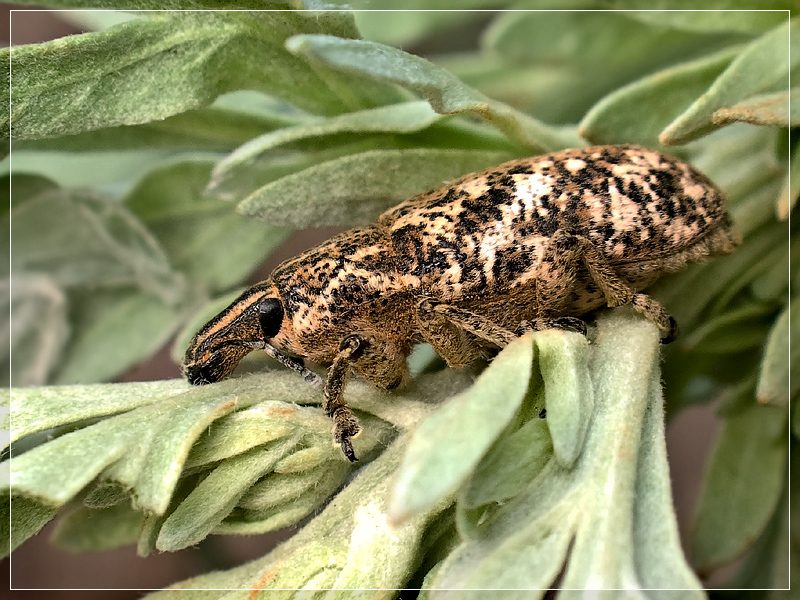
point(80, 239)
point(790, 189)
point(569, 397)
point(215, 496)
point(350, 545)
point(446, 94)
point(585, 515)
point(24, 516)
point(85, 529)
point(203, 238)
point(356, 188)
point(514, 460)
point(744, 482)
point(399, 118)
point(762, 68)
point(780, 108)
point(148, 69)
point(639, 111)
point(449, 444)
point(778, 379)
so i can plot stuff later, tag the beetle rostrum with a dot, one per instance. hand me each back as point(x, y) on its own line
point(530, 244)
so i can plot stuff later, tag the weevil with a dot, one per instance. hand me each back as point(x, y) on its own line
point(530, 244)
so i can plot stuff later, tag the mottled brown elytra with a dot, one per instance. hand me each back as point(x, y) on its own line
point(533, 243)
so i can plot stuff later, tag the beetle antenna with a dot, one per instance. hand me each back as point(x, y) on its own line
point(290, 362)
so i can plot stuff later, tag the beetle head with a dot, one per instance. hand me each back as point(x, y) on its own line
point(250, 322)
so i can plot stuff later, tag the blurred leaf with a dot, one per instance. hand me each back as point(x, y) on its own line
point(590, 41)
point(731, 331)
point(420, 20)
point(21, 519)
point(762, 67)
point(356, 188)
point(445, 92)
point(149, 69)
point(447, 446)
point(203, 238)
point(86, 169)
point(80, 239)
point(37, 331)
point(639, 111)
point(743, 483)
point(208, 128)
point(113, 330)
point(564, 365)
point(721, 15)
point(162, 4)
point(778, 381)
point(398, 118)
point(791, 187)
point(85, 529)
point(93, 20)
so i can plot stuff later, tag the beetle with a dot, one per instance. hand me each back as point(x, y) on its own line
point(533, 243)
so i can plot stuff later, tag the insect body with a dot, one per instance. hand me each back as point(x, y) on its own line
point(530, 244)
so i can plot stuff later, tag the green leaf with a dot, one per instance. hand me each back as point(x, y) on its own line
point(113, 330)
point(24, 517)
point(569, 397)
point(498, 476)
point(85, 529)
point(215, 496)
point(398, 118)
point(38, 332)
point(589, 515)
point(356, 188)
point(762, 68)
point(149, 69)
point(81, 239)
point(779, 108)
point(721, 15)
point(791, 187)
point(639, 111)
point(210, 129)
point(163, 4)
point(202, 237)
point(778, 381)
point(743, 483)
point(732, 331)
point(449, 444)
point(349, 545)
point(446, 93)
point(43, 408)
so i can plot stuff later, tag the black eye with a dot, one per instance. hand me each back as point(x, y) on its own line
point(270, 316)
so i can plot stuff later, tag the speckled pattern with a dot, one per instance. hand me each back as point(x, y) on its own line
point(534, 238)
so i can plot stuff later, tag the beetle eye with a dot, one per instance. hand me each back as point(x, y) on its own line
point(270, 316)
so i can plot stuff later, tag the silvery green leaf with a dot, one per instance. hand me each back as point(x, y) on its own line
point(762, 68)
point(448, 445)
point(444, 91)
point(778, 380)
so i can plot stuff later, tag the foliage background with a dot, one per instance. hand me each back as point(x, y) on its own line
point(127, 143)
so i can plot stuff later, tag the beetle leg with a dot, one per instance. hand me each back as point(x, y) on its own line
point(617, 292)
point(456, 346)
point(475, 324)
point(345, 423)
point(567, 323)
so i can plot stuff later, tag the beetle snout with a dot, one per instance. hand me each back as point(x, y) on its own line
point(210, 370)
